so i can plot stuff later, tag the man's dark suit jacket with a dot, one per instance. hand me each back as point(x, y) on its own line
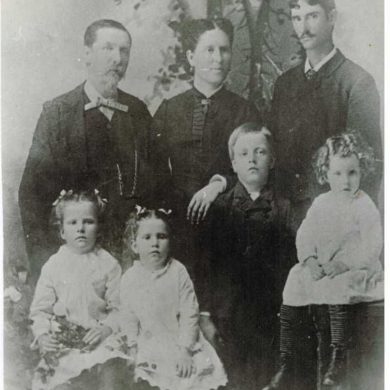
point(58, 160)
point(305, 113)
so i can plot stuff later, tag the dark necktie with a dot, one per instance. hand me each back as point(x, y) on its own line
point(310, 74)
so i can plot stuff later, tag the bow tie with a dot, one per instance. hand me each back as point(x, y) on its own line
point(102, 102)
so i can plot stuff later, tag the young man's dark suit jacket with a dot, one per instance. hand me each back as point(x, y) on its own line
point(305, 113)
point(58, 159)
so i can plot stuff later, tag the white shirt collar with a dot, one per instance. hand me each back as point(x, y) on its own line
point(327, 58)
point(254, 195)
point(93, 95)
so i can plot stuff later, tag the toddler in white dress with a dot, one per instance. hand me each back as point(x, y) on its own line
point(76, 301)
point(339, 244)
point(159, 314)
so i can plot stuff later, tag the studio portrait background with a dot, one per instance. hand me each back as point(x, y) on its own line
point(42, 57)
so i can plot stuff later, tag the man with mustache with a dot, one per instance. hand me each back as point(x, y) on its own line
point(324, 95)
point(93, 137)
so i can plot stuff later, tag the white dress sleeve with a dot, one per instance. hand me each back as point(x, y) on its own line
point(189, 311)
point(41, 310)
point(364, 252)
point(128, 321)
point(111, 297)
point(306, 234)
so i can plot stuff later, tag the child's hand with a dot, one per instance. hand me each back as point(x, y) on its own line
point(334, 268)
point(315, 268)
point(202, 200)
point(47, 343)
point(97, 335)
point(184, 366)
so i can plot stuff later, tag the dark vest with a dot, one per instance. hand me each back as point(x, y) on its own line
point(109, 170)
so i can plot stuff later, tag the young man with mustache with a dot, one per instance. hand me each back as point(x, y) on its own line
point(326, 94)
point(93, 137)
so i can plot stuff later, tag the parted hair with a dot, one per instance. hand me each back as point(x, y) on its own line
point(93, 28)
point(69, 196)
point(137, 216)
point(246, 128)
point(343, 145)
point(192, 30)
point(327, 5)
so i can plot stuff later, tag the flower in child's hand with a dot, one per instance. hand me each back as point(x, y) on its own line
point(315, 268)
point(47, 343)
point(185, 366)
point(97, 334)
point(334, 268)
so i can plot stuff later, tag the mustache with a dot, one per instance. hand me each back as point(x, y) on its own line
point(306, 35)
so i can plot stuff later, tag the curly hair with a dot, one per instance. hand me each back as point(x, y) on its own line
point(343, 145)
point(70, 196)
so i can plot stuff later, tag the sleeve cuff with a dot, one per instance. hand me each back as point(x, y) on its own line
point(219, 178)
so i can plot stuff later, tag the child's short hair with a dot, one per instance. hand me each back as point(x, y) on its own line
point(247, 128)
point(141, 214)
point(66, 197)
point(343, 145)
point(192, 30)
point(327, 5)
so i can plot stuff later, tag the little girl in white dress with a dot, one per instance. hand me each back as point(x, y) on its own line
point(76, 301)
point(159, 314)
point(339, 244)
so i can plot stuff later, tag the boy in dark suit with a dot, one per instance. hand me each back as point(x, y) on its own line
point(250, 249)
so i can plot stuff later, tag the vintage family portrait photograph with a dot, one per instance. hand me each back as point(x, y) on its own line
point(193, 194)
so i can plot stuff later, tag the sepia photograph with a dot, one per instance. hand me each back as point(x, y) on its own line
point(193, 194)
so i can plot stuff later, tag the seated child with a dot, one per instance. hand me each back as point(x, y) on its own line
point(75, 302)
point(339, 244)
point(159, 314)
point(251, 249)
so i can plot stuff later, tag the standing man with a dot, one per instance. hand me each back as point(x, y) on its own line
point(93, 137)
point(325, 95)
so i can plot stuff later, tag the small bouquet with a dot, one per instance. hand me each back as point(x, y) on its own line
point(69, 336)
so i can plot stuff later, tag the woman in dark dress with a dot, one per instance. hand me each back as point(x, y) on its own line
point(191, 130)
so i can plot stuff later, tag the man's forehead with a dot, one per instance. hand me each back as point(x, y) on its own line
point(112, 34)
point(304, 5)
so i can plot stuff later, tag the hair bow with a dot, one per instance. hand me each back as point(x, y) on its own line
point(61, 195)
point(166, 212)
point(139, 209)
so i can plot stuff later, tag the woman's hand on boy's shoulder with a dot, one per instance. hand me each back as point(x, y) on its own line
point(47, 343)
point(202, 200)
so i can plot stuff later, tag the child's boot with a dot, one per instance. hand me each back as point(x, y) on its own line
point(282, 379)
point(337, 366)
